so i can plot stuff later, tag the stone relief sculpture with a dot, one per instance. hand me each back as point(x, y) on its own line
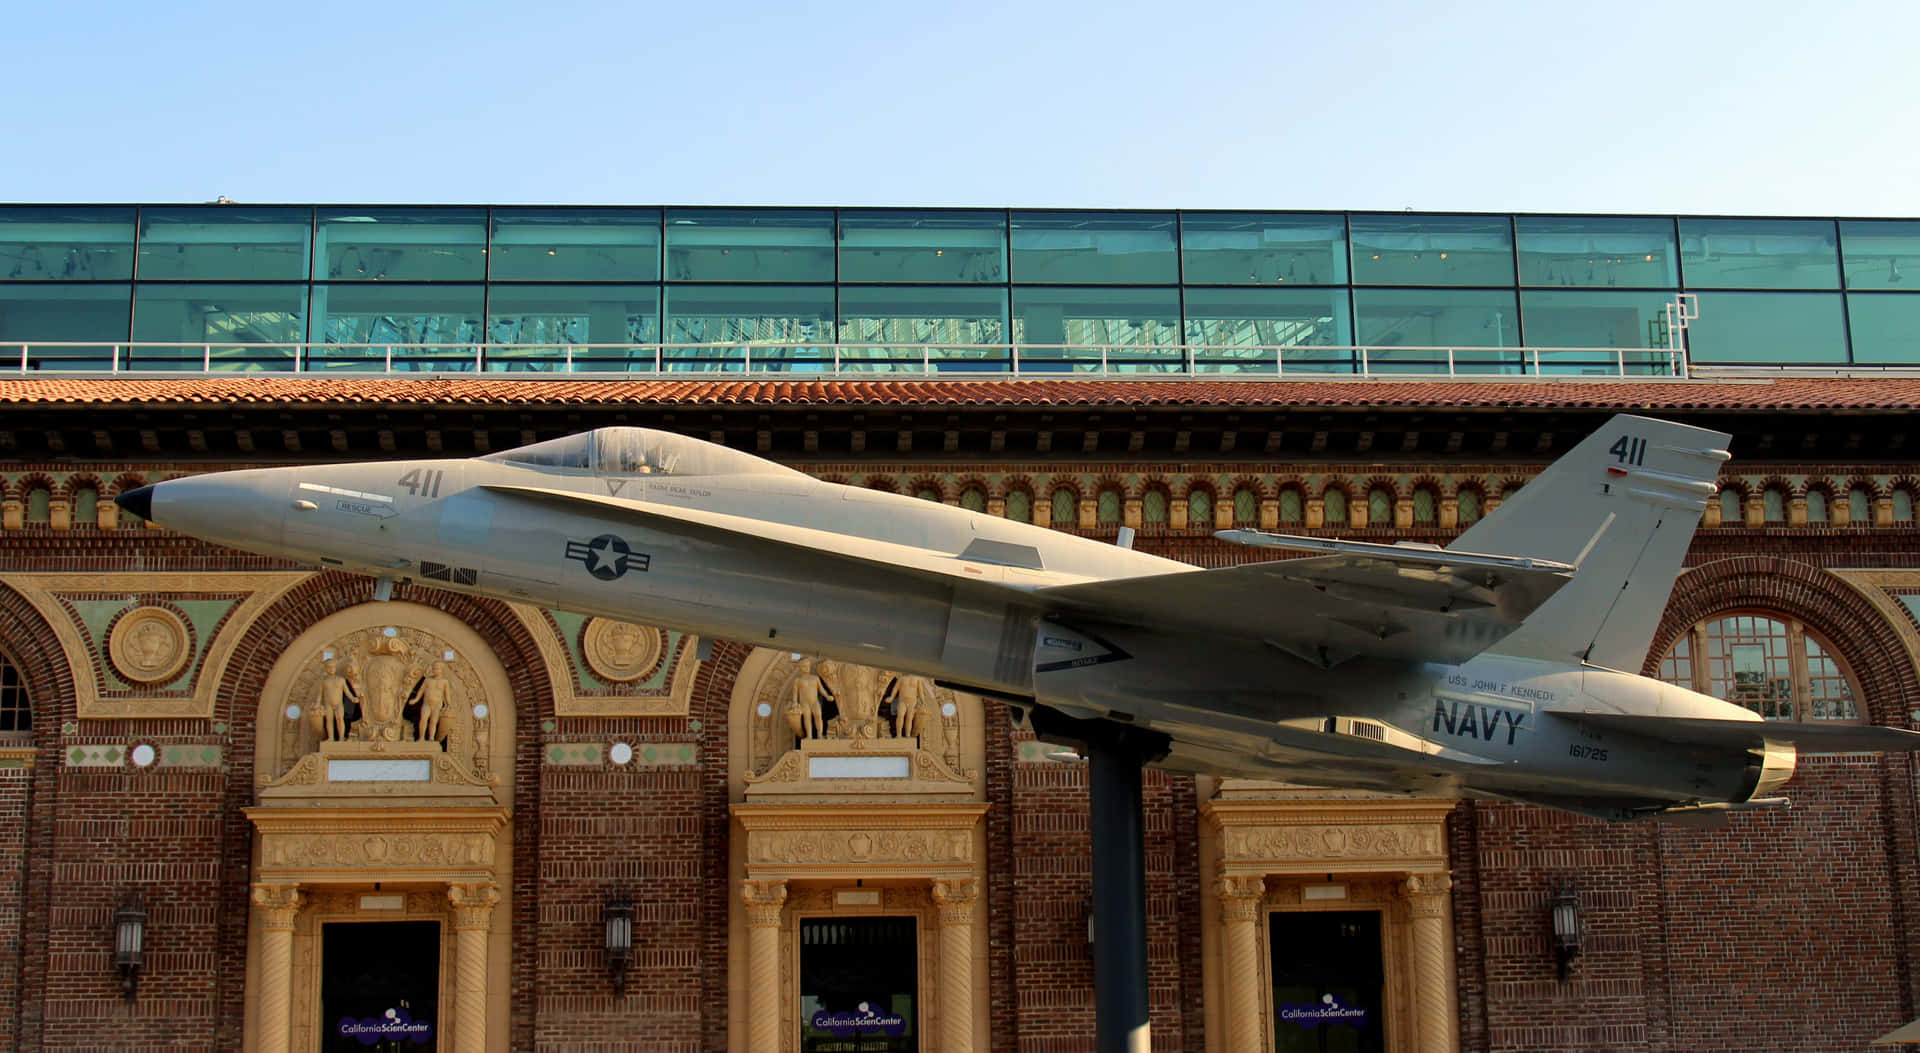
point(392, 684)
point(839, 703)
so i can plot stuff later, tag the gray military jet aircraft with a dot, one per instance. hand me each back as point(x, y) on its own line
point(1501, 665)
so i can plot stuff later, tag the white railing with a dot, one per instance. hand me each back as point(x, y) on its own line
point(804, 361)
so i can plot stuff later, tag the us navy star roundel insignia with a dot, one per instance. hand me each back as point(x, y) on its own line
point(608, 557)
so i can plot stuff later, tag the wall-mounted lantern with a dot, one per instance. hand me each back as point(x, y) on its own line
point(130, 944)
point(617, 918)
point(1568, 939)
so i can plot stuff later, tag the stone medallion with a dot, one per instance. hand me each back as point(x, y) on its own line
point(148, 645)
point(621, 651)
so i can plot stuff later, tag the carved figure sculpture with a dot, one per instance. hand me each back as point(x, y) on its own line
point(913, 706)
point(330, 701)
point(432, 691)
point(804, 714)
point(855, 692)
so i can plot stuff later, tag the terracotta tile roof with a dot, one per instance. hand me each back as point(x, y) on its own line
point(1779, 393)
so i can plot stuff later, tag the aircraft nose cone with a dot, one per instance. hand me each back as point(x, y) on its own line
point(139, 502)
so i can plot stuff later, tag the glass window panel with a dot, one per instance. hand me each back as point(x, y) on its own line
point(1595, 318)
point(1251, 248)
point(16, 713)
point(1624, 251)
point(909, 326)
point(973, 499)
point(1290, 507)
point(1379, 508)
point(1829, 693)
point(1066, 508)
point(1200, 508)
point(1902, 506)
point(1019, 506)
point(401, 244)
point(364, 321)
point(1881, 254)
point(1730, 511)
point(225, 242)
point(1469, 506)
point(575, 244)
point(1064, 328)
point(1415, 319)
point(60, 314)
point(606, 326)
point(238, 326)
point(749, 245)
point(1094, 248)
point(1768, 327)
point(66, 243)
point(1424, 512)
point(1108, 508)
point(726, 318)
point(1760, 253)
point(1153, 507)
point(1859, 507)
point(895, 246)
point(1773, 505)
point(1885, 327)
point(1677, 667)
point(1334, 512)
point(1816, 506)
point(1236, 320)
point(1432, 250)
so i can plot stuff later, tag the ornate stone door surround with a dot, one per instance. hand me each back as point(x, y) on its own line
point(370, 827)
point(1274, 848)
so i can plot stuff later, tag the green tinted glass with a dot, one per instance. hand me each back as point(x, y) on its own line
point(1065, 328)
point(1881, 254)
point(1886, 327)
point(1595, 318)
point(225, 242)
point(592, 326)
point(1768, 327)
point(401, 244)
point(879, 326)
point(1253, 248)
point(1410, 330)
point(64, 313)
point(725, 318)
point(1760, 253)
point(1094, 248)
point(749, 245)
point(1231, 323)
point(894, 246)
point(575, 244)
point(239, 325)
point(368, 319)
point(66, 243)
point(1432, 250)
point(1615, 251)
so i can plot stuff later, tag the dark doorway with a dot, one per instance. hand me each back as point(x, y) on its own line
point(859, 979)
point(380, 987)
point(1329, 982)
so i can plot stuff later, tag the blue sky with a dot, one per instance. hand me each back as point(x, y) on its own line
point(1545, 106)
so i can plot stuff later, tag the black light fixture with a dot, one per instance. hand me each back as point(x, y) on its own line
point(1564, 908)
point(130, 944)
point(617, 918)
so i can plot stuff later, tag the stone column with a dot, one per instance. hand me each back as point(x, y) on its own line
point(278, 905)
point(764, 900)
point(472, 920)
point(956, 899)
point(1241, 899)
point(1431, 905)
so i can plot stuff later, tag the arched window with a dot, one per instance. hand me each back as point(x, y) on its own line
point(1860, 506)
point(86, 506)
point(1469, 506)
point(1246, 507)
point(15, 713)
point(1019, 506)
point(39, 505)
point(1291, 507)
point(928, 493)
point(1773, 504)
point(1776, 667)
point(1425, 510)
point(1199, 507)
point(1379, 507)
point(973, 499)
point(1902, 506)
point(1153, 508)
point(1816, 506)
point(1336, 510)
point(1730, 514)
point(1107, 508)
point(1066, 508)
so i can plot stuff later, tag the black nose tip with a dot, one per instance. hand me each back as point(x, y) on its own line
point(139, 502)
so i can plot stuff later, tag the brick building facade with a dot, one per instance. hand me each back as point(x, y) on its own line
point(158, 758)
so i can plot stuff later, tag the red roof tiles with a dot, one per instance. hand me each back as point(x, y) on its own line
point(1780, 393)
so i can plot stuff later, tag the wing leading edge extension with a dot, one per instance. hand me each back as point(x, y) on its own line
point(1385, 601)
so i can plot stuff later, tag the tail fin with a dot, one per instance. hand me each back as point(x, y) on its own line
point(1622, 505)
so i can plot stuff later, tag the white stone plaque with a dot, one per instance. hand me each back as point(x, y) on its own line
point(856, 897)
point(379, 770)
point(383, 902)
point(1323, 892)
point(858, 768)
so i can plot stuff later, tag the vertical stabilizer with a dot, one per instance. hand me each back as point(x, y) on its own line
point(1623, 505)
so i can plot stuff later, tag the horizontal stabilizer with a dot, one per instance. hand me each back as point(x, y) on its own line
point(1808, 736)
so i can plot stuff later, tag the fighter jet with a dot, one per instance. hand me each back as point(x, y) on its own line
point(1500, 666)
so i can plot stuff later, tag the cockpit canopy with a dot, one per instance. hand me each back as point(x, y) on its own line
point(639, 451)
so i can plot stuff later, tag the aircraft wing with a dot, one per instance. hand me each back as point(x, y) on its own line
point(1813, 737)
point(1385, 601)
